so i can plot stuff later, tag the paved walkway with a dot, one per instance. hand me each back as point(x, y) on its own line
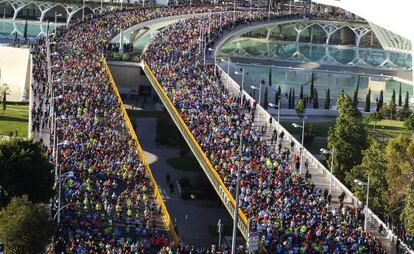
point(194, 218)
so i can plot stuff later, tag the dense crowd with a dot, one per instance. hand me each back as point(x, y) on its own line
point(108, 204)
point(107, 198)
point(287, 211)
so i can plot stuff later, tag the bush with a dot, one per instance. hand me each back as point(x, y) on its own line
point(409, 122)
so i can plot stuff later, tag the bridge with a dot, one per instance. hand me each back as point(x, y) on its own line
point(321, 35)
point(43, 10)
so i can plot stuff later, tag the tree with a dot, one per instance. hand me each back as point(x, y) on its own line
point(25, 169)
point(380, 101)
point(400, 173)
point(4, 91)
point(406, 100)
point(25, 227)
point(290, 98)
point(293, 98)
point(25, 32)
point(328, 99)
point(407, 215)
point(270, 77)
point(393, 97)
point(348, 136)
point(312, 86)
point(400, 96)
point(315, 99)
point(373, 164)
point(368, 101)
point(355, 99)
point(409, 122)
point(265, 106)
point(300, 108)
point(301, 96)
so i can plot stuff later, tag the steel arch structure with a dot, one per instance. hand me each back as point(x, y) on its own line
point(45, 7)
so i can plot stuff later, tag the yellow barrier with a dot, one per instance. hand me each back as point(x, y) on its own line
point(216, 175)
point(166, 215)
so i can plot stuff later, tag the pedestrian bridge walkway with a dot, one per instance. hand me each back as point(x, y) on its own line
point(320, 174)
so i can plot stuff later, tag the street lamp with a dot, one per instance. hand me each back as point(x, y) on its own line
point(278, 113)
point(236, 209)
point(57, 15)
point(242, 85)
point(65, 143)
point(362, 183)
point(326, 151)
point(295, 125)
point(260, 91)
point(215, 61)
point(228, 64)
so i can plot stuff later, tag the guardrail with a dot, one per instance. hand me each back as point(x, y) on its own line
point(212, 175)
point(164, 211)
point(374, 220)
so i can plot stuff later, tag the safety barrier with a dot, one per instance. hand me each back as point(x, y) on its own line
point(212, 175)
point(165, 214)
point(374, 220)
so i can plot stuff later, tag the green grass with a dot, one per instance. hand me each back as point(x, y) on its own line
point(15, 118)
point(186, 163)
point(320, 129)
point(386, 129)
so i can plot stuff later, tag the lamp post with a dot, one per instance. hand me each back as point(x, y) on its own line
point(362, 183)
point(278, 112)
point(260, 91)
point(303, 135)
point(66, 142)
point(236, 209)
point(242, 85)
point(215, 60)
point(326, 151)
point(83, 10)
point(57, 15)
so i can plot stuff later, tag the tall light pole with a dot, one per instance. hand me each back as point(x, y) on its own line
point(215, 60)
point(83, 10)
point(260, 92)
point(326, 151)
point(303, 135)
point(362, 183)
point(236, 209)
point(242, 85)
point(278, 113)
point(66, 142)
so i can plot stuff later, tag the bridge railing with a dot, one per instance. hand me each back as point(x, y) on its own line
point(212, 175)
point(374, 220)
point(164, 211)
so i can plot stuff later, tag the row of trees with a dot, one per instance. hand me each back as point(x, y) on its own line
point(357, 156)
point(26, 185)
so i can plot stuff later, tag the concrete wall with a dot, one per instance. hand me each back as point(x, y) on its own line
point(15, 72)
point(130, 78)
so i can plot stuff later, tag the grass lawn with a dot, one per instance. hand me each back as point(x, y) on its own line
point(320, 129)
point(186, 163)
point(386, 129)
point(15, 118)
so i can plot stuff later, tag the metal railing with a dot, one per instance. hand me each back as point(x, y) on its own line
point(212, 175)
point(164, 211)
point(374, 220)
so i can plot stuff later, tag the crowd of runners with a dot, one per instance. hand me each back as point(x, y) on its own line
point(107, 197)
